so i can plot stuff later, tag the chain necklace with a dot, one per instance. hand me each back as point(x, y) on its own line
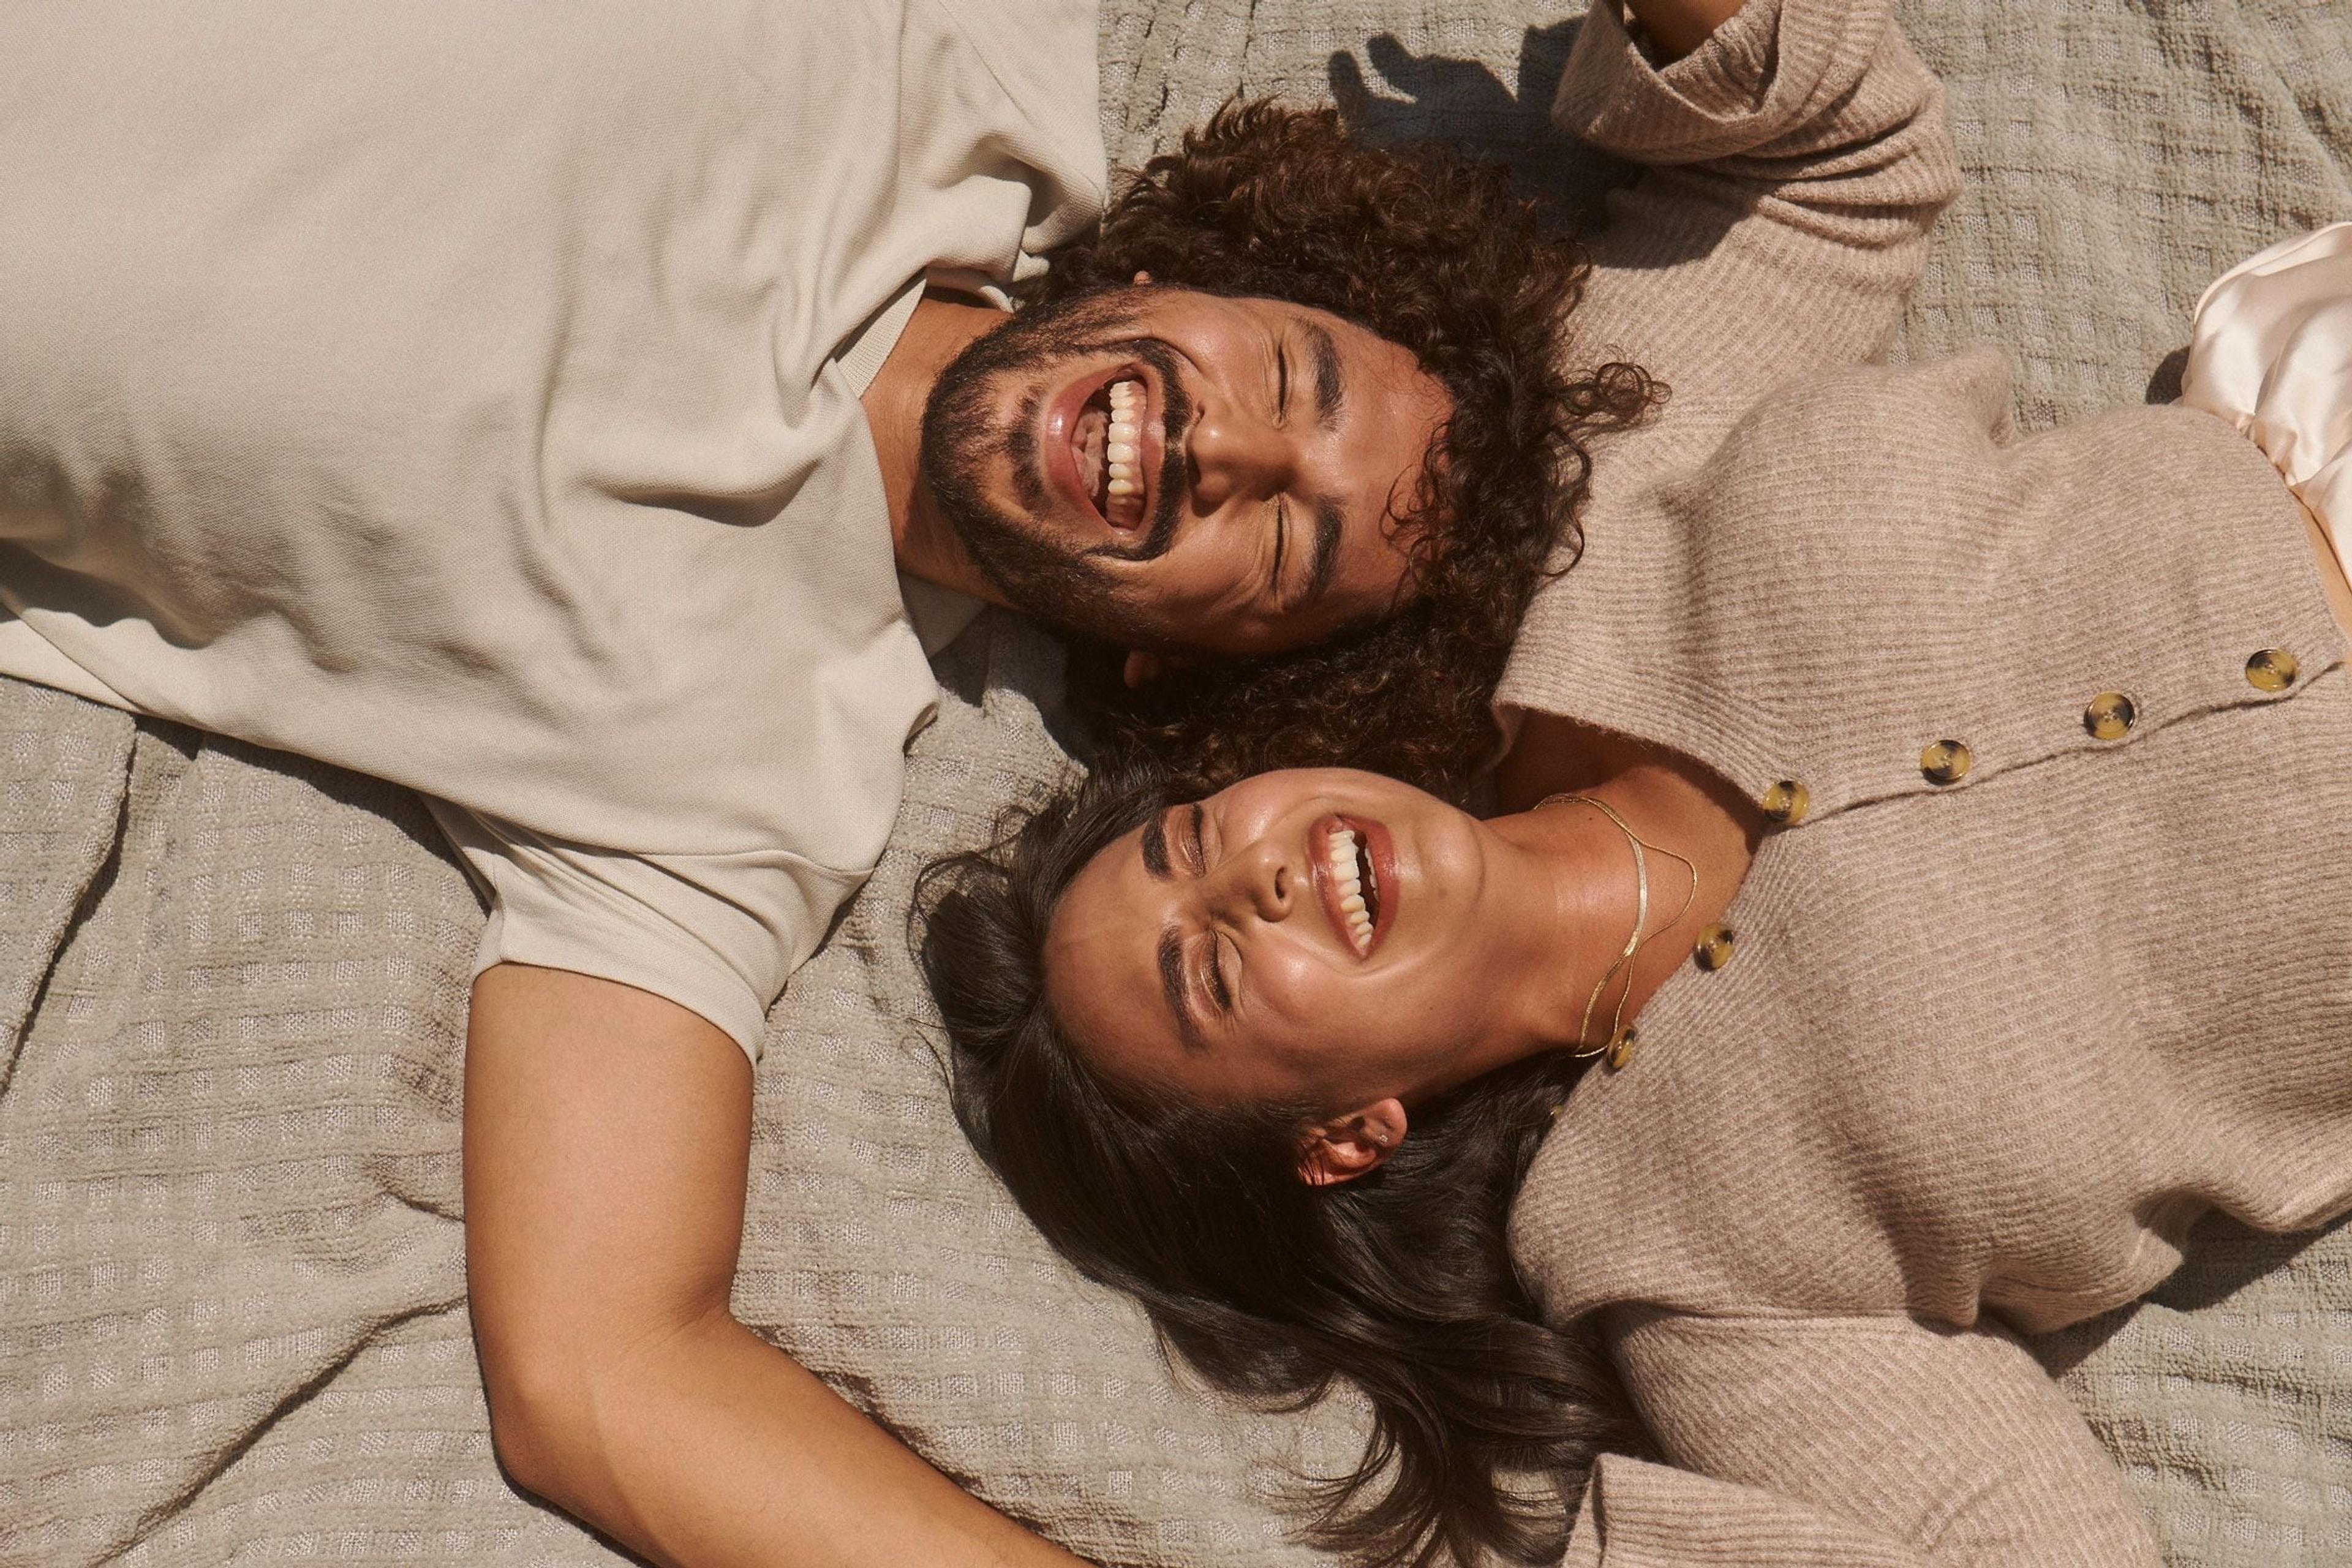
point(1617, 1042)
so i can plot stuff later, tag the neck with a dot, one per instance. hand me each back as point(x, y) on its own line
point(1589, 892)
point(924, 542)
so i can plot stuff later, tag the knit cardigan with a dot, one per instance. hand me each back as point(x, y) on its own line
point(2047, 955)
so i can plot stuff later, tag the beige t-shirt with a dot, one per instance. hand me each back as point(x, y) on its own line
point(465, 392)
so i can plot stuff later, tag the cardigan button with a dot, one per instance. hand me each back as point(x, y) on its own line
point(1713, 949)
point(1621, 1051)
point(1784, 803)
point(1946, 762)
point(2110, 716)
point(2271, 669)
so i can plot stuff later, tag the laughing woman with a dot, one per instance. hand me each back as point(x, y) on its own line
point(1926, 900)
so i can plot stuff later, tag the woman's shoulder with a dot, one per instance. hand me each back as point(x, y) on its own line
point(1879, 549)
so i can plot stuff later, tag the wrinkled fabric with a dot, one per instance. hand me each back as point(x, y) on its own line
point(2272, 352)
point(467, 394)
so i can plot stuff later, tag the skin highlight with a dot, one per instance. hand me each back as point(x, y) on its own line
point(770, 1465)
point(1309, 1179)
point(1280, 443)
point(1494, 937)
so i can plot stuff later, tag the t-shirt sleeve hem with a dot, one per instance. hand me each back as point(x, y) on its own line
point(704, 987)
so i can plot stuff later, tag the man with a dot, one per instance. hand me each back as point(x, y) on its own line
point(537, 406)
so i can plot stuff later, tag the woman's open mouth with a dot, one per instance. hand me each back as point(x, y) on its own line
point(1361, 902)
point(1111, 433)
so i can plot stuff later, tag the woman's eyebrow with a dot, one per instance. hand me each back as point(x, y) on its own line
point(1155, 849)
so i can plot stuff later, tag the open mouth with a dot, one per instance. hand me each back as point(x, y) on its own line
point(1113, 438)
point(1352, 885)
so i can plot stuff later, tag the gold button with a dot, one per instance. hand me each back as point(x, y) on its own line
point(1945, 762)
point(1713, 949)
point(1621, 1050)
point(2110, 716)
point(1785, 802)
point(2272, 669)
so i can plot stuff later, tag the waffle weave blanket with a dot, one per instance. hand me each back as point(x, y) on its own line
point(232, 982)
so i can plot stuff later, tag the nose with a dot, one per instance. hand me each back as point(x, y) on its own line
point(1235, 455)
point(1258, 882)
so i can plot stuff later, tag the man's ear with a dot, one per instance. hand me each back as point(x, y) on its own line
point(1350, 1146)
point(1143, 669)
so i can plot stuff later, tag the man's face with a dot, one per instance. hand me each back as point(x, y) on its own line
point(1171, 470)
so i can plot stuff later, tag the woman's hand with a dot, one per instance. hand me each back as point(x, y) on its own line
point(607, 1139)
point(1676, 27)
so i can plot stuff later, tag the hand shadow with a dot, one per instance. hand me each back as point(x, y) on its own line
point(1432, 98)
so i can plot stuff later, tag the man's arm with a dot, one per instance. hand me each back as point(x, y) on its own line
point(607, 1142)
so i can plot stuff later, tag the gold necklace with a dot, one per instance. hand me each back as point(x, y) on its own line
point(1617, 1042)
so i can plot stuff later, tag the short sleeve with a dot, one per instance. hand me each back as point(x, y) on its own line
point(717, 934)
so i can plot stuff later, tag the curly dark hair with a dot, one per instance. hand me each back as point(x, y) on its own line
point(1484, 1420)
point(1434, 253)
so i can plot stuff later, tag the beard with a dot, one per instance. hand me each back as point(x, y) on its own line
point(1020, 550)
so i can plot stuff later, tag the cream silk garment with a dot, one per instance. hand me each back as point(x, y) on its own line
point(2271, 352)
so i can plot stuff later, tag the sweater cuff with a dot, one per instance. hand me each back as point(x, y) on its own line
point(1764, 73)
point(1641, 1515)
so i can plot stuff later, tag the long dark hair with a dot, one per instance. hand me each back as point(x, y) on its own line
point(1399, 1282)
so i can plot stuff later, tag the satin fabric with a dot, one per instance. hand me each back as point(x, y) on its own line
point(2271, 352)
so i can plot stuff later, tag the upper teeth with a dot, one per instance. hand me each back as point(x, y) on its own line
point(1340, 851)
point(1124, 453)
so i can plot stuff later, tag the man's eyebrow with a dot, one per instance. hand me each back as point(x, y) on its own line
point(1328, 388)
point(1155, 849)
point(1331, 528)
point(1172, 985)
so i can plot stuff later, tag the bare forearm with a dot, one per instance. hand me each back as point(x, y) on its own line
point(607, 1133)
point(711, 1447)
point(1678, 27)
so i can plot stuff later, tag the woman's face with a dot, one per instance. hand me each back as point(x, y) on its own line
point(1320, 936)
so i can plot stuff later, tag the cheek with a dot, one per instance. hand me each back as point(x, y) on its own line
point(1193, 578)
point(1424, 1007)
point(1327, 1036)
point(1304, 1007)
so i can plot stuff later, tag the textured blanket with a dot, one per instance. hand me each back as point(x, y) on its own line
point(232, 1315)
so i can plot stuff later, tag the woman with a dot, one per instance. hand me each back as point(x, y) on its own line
point(493, 316)
point(1938, 837)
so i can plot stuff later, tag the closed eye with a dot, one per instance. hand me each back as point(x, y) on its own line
point(1212, 969)
point(1281, 548)
point(1219, 991)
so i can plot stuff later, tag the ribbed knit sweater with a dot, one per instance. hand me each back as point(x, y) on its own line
point(2027, 978)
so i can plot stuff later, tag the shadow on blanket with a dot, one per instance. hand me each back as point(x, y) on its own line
point(2224, 1258)
point(1440, 96)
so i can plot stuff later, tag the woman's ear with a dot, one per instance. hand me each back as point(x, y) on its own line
point(1143, 280)
point(1350, 1146)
